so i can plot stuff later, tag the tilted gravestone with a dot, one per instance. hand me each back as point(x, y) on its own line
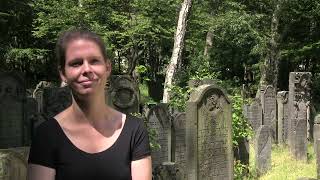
point(13, 163)
point(316, 131)
point(55, 100)
point(299, 102)
point(159, 121)
point(179, 142)
point(12, 95)
point(262, 146)
point(123, 94)
point(255, 115)
point(269, 108)
point(209, 134)
point(283, 112)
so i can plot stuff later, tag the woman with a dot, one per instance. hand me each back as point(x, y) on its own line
point(89, 140)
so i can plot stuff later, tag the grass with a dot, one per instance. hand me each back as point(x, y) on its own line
point(284, 167)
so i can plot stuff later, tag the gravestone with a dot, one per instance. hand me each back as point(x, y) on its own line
point(12, 95)
point(242, 151)
point(159, 122)
point(255, 115)
point(283, 113)
point(262, 146)
point(13, 163)
point(167, 171)
point(31, 118)
point(179, 142)
point(269, 108)
point(299, 102)
point(55, 100)
point(38, 93)
point(316, 131)
point(123, 94)
point(209, 134)
point(300, 145)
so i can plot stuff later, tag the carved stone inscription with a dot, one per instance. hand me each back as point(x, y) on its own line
point(179, 126)
point(213, 136)
point(12, 93)
point(263, 149)
point(123, 94)
point(299, 102)
point(159, 122)
point(269, 110)
point(255, 116)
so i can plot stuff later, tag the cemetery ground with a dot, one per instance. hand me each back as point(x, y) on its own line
point(284, 166)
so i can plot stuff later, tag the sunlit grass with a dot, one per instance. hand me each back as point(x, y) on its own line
point(284, 167)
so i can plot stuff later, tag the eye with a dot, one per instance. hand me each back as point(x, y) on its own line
point(95, 61)
point(75, 63)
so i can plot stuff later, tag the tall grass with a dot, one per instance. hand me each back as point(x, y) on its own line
point(284, 167)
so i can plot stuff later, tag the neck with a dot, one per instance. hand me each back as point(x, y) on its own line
point(92, 109)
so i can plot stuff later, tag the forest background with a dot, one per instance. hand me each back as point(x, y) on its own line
point(237, 43)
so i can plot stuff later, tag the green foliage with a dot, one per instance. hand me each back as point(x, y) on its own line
point(179, 97)
point(240, 126)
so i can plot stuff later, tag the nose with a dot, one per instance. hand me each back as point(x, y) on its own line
point(87, 70)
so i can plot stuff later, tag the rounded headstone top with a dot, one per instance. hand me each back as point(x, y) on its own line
point(317, 119)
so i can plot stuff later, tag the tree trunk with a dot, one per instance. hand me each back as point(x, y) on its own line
point(177, 49)
point(270, 72)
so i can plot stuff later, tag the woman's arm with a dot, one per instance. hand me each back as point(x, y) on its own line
point(141, 169)
point(38, 172)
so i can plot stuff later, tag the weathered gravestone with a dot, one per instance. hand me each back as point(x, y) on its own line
point(283, 112)
point(242, 151)
point(167, 171)
point(12, 95)
point(31, 118)
point(123, 94)
point(255, 115)
point(299, 101)
point(159, 121)
point(13, 163)
point(209, 135)
point(55, 100)
point(269, 108)
point(316, 131)
point(179, 142)
point(263, 149)
point(38, 93)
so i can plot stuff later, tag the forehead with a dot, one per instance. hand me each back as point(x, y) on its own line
point(82, 47)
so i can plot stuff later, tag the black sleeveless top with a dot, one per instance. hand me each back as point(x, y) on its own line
point(52, 148)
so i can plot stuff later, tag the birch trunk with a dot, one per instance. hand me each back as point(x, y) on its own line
point(271, 64)
point(177, 49)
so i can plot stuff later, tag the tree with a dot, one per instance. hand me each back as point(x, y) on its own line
point(177, 48)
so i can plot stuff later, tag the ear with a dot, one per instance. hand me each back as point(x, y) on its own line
point(62, 75)
point(108, 66)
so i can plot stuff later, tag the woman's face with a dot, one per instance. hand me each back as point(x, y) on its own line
point(86, 71)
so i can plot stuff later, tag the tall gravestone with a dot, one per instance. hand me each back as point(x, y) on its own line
point(123, 94)
point(283, 112)
point(316, 131)
point(209, 134)
point(55, 100)
point(31, 117)
point(255, 115)
point(299, 102)
point(179, 142)
point(12, 95)
point(269, 108)
point(262, 146)
point(159, 122)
